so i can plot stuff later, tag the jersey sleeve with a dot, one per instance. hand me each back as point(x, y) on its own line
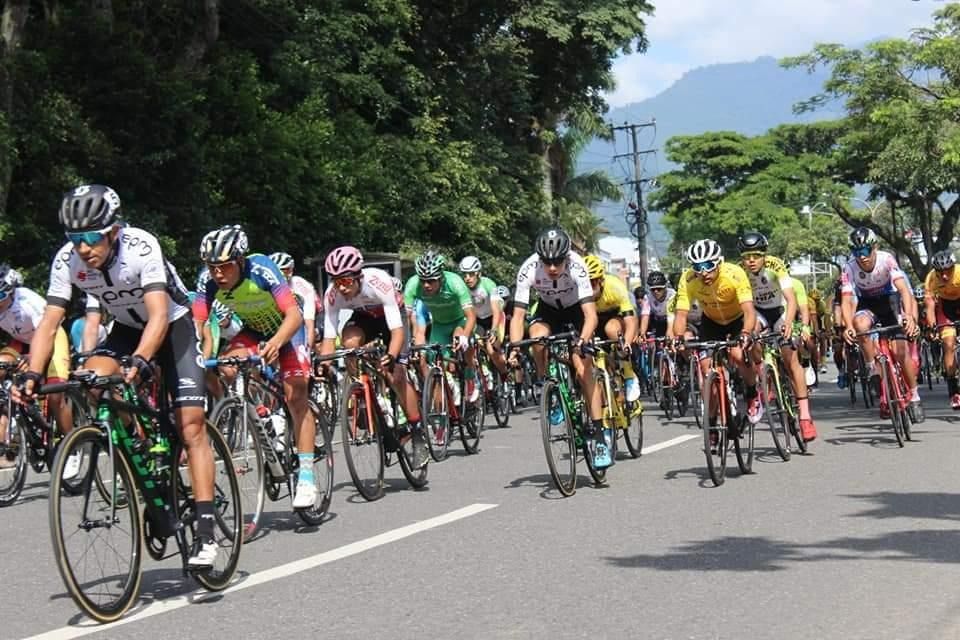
point(779, 269)
point(460, 289)
point(410, 291)
point(92, 304)
point(153, 269)
point(331, 313)
point(624, 305)
point(59, 291)
point(682, 300)
point(383, 288)
point(930, 284)
point(491, 288)
point(309, 300)
point(742, 284)
point(896, 272)
point(525, 276)
point(847, 281)
point(578, 271)
point(203, 301)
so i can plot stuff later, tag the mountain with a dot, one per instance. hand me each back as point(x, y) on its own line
point(748, 97)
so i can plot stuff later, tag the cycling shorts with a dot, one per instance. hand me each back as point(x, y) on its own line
point(294, 356)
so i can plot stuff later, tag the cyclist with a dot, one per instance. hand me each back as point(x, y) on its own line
point(838, 349)
point(488, 306)
point(942, 306)
point(377, 314)
point(775, 300)
point(802, 328)
point(883, 297)
point(124, 269)
point(20, 312)
point(447, 299)
point(726, 299)
point(253, 287)
point(311, 304)
point(560, 278)
point(616, 317)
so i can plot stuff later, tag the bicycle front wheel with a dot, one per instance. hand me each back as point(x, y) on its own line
point(666, 387)
point(322, 466)
point(773, 410)
point(415, 471)
point(559, 443)
point(14, 458)
point(891, 398)
point(502, 396)
point(695, 398)
point(362, 443)
point(97, 538)
point(471, 422)
point(716, 418)
point(237, 421)
point(435, 414)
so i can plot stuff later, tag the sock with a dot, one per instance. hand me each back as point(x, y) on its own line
point(915, 394)
point(205, 520)
point(804, 405)
point(306, 468)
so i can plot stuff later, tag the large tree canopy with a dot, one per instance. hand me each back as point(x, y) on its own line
point(389, 124)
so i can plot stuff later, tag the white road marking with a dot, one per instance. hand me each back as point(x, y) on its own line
point(268, 575)
point(668, 443)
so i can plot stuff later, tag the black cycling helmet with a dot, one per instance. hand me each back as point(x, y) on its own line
point(89, 207)
point(553, 243)
point(862, 237)
point(752, 241)
point(656, 279)
point(639, 292)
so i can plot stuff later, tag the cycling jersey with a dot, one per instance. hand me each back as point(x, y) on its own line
point(720, 300)
point(377, 298)
point(484, 297)
point(694, 315)
point(937, 288)
point(876, 283)
point(306, 295)
point(571, 288)
point(261, 298)
point(614, 298)
point(769, 283)
point(800, 291)
point(447, 304)
point(22, 317)
point(658, 308)
point(135, 267)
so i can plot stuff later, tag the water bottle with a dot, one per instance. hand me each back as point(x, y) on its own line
point(488, 377)
point(278, 424)
point(385, 408)
point(556, 413)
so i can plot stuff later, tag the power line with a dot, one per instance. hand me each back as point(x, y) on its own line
point(637, 214)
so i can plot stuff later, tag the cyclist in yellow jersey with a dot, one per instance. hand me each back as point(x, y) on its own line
point(775, 294)
point(942, 305)
point(616, 316)
point(724, 293)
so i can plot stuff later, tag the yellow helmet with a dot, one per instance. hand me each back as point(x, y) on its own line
point(595, 268)
point(815, 295)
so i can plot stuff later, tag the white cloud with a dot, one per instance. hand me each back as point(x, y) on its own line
point(685, 34)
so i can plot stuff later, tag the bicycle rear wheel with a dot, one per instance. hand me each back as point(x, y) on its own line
point(242, 437)
point(743, 444)
point(559, 443)
point(777, 418)
point(322, 466)
point(695, 398)
point(97, 541)
point(435, 414)
point(471, 422)
point(14, 457)
point(362, 443)
point(715, 441)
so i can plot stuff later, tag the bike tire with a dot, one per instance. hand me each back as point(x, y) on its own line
point(501, 400)
point(471, 422)
point(416, 476)
point(695, 398)
point(65, 529)
point(599, 475)
point(323, 467)
point(227, 510)
point(559, 441)
point(743, 445)
point(247, 455)
point(655, 381)
point(715, 453)
point(12, 478)
point(773, 409)
point(359, 437)
point(886, 384)
point(435, 414)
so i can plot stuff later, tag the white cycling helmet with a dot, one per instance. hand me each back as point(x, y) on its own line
point(470, 264)
point(503, 292)
point(704, 251)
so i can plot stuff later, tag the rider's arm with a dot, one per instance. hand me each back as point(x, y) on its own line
point(680, 322)
point(589, 319)
point(930, 306)
point(91, 330)
point(496, 305)
point(630, 325)
point(749, 316)
point(791, 313)
point(906, 297)
point(206, 335)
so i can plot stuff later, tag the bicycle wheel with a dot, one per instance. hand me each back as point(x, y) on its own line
point(559, 443)
point(237, 421)
point(14, 457)
point(927, 368)
point(96, 542)
point(715, 441)
point(666, 388)
point(471, 422)
point(501, 400)
point(227, 510)
point(773, 409)
point(655, 381)
point(888, 396)
point(743, 444)
point(406, 454)
point(788, 401)
point(322, 466)
point(435, 415)
point(633, 434)
point(362, 443)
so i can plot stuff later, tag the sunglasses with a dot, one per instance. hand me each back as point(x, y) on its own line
point(345, 281)
point(753, 254)
point(705, 267)
point(652, 289)
point(88, 238)
point(430, 281)
point(861, 252)
point(553, 263)
point(219, 267)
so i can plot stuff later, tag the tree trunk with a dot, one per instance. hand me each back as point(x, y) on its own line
point(12, 31)
point(205, 35)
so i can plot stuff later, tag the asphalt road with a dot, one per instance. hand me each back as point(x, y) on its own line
point(860, 539)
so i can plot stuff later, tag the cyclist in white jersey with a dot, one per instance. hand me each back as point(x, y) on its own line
point(559, 276)
point(304, 292)
point(124, 269)
point(653, 311)
point(874, 290)
point(488, 306)
point(20, 312)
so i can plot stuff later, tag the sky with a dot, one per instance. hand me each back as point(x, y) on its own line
point(686, 34)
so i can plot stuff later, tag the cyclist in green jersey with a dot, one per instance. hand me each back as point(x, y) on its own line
point(447, 298)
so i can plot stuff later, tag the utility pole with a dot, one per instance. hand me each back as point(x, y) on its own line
point(637, 214)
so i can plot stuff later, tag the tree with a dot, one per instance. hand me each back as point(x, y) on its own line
point(902, 127)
